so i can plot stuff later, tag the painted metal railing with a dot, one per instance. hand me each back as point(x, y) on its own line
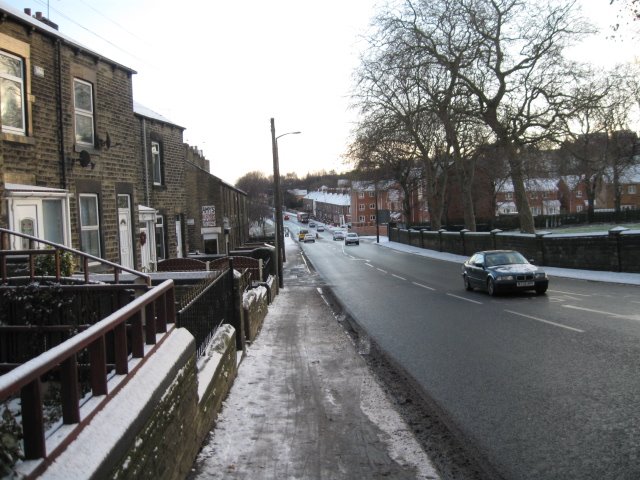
point(140, 323)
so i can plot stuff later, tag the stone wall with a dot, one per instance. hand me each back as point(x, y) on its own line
point(616, 250)
point(255, 305)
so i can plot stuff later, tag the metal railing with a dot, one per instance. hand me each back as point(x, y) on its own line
point(56, 250)
point(133, 329)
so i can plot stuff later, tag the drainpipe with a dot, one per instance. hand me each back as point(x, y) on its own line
point(146, 162)
point(63, 166)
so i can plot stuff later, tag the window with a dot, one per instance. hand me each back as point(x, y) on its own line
point(578, 208)
point(83, 104)
point(160, 246)
point(631, 190)
point(361, 206)
point(360, 194)
point(372, 206)
point(508, 195)
point(372, 218)
point(361, 218)
point(578, 194)
point(533, 194)
point(372, 194)
point(156, 163)
point(89, 224)
point(12, 94)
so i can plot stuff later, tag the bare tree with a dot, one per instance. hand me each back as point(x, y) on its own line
point(257, 187)
point(508, 60)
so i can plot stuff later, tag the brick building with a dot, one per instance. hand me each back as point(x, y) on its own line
point(216, 212)
point(327, 206)
point(79, 167)
point(163, 171)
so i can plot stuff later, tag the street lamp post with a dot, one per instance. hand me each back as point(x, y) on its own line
point(279, 233)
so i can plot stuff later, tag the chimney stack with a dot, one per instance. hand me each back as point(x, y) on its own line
point(27, 11)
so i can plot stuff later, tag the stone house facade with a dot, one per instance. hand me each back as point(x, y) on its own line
point(80, 166)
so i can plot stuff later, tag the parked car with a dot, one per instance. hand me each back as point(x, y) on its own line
point(350, 238)
point(338, 234)
point(301, 233)
point(499, 271)
point(309, 237)
point(320, 228)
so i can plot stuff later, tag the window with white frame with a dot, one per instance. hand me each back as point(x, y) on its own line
point(361, 218)
point(156, 163)
point(12, 94)
point(360, 194)
point(372, 206)
point(361, 206)
point(372, 193)
point(578, 208)
point(631, 190)
point(90, 224)
point(578, 193)
point(508, 195)
point(83, 105)
point(372, 218)
point(160, 245)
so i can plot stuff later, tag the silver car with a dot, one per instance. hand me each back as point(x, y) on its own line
point(351, 238)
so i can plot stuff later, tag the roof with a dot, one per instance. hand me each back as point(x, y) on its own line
point(20, 16)
point(532, 185)
point(143, 111)
point(341, 199)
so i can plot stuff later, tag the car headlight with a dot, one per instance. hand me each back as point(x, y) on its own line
point(505, 278)
point(541, 275)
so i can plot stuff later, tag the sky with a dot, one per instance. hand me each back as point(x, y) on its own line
point(223, 69)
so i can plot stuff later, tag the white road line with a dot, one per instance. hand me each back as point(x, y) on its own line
point(305, 263)
point(570, 293)
point(591, 310)
point(546, 321)
point(423, 286)
point(398, 276)
point(383, 271)
point(465, 299)
point(369, 265)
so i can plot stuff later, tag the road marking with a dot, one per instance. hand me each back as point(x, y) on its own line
point(423, 286)
point(369, 265)
point(398, 276)
point(464, 298)
point(546, 321)
point(383, 271)
point(305, 263)
point(602, 312)
point(570, 293)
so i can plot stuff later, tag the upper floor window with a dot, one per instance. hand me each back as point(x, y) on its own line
point(372, 206)
point(361, 206)
point(12, 93)
point(360, 194)
point(372, 194)
point(631, 190)
point(156, 163)
point(83, 104)
point(508, 196)
point(578, 193)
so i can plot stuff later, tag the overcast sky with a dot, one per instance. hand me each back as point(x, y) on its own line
point(222, 69)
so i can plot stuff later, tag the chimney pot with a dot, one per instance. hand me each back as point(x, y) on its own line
point(39, 15)
point(27, 11)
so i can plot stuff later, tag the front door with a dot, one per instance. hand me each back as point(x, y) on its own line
point(26, 221)
point(178, 237)
point(124, 223)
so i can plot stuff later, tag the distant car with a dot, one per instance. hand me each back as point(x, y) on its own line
point(312, 225)
point(320, 228)
point(286, 217)
point(499, 271)
point(350, 238)
point(338, 234)
point(309, 237)
point(301, 233)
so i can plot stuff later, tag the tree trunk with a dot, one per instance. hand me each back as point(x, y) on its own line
point(522, 202)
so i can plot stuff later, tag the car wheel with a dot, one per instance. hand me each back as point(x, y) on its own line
point(541, 290)
point(491, 287)
point(467, 283)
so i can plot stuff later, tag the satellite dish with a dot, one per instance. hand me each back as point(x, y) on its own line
point(85, 158)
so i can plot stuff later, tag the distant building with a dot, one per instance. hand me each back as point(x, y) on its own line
point(328, 207)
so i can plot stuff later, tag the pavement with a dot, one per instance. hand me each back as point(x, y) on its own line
point(306, 404)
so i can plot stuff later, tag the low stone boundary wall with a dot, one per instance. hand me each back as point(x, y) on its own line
point(617, 250)
point(255, 305)
point(155, 426)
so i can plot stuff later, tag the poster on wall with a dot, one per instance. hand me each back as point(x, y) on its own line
point(209, 216)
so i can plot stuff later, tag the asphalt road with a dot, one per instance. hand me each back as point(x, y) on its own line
point(540, 387)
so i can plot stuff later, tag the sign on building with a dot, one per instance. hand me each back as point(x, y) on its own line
point(209, 216)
